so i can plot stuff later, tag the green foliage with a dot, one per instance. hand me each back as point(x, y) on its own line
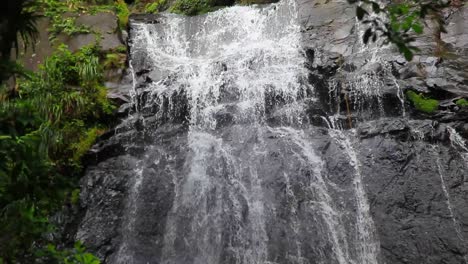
point(155, 7)
point(24, 25)
point(77, 255)
point(62, 15)
point(115, 61)
point(47, 122)
point(75, 196)
point(94, 9)
point(67, 26)
point(26, 196)
point(86, 142)
point(399, 21)
point(19, 22)
point(422, 103)
point(462, 102)
point(191, 7)
point(47, 127)
point(121, 49)
point(122, 13)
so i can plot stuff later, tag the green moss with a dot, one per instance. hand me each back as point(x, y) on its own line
point(114, 61)
point(191, 7)
point(155, 7)
point(462, 102)
point(86, 142)
point(121, 49)
point(422, 103)
point(75, 196)
point(123, 13)
point(102, 102)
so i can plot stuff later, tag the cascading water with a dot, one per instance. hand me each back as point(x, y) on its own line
point(242, 72)
point(238, 149)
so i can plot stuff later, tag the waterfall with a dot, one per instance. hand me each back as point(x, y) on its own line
point(456, 224)
point(251, 186)
point(253, 136)
point(367, 242)
point(458, 142)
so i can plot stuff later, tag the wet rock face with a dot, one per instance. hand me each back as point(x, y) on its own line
point(391, 190)
point(403, 174)
point(331, 35)
point(417, 221)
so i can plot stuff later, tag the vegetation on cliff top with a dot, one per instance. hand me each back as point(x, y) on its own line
point(191, 7)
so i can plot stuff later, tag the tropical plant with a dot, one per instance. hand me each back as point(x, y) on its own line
point(17, 18)
point(399, 21)
point(123, 13)
point(46, 128)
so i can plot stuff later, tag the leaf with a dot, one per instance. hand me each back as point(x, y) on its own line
point(2, 137)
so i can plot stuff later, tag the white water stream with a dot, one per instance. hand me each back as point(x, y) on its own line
point(230, 62)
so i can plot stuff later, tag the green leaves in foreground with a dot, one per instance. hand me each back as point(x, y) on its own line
point(46, 127)
point(398, 22)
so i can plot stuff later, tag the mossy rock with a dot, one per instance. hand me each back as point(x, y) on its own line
point(422, 103)
point(462, 102)
point(192, 7)
point(155, 6)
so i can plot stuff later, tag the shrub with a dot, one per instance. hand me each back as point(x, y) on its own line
point(59, 113)
point(115, 61)
point(123, 13)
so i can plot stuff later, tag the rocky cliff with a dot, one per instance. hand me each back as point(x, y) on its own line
point(341, 169)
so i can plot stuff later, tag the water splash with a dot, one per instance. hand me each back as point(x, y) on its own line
point(235, 54)
point(324, 202)
point(456, 223)
point(245, 63)
point(368, 245)
point(458, 142)
point(125, 252)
